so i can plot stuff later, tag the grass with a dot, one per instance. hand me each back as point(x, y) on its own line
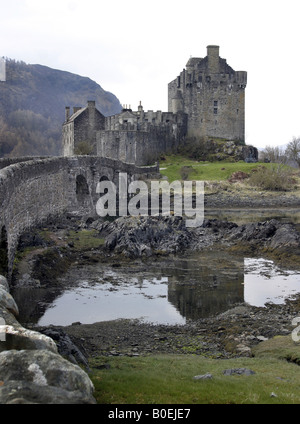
point(172, 166)
point(168, 379)
point(281, 347)
point(85, 239)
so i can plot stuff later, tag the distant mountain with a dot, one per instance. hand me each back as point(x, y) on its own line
point(32, 107)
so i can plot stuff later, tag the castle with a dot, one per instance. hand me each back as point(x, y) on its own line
point(206, 100)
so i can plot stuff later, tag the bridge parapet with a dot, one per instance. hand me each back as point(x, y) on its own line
point(33, 190)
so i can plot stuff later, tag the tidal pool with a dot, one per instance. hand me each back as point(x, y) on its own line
point(169, 291)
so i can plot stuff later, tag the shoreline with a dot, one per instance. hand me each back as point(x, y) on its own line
point(230, 334)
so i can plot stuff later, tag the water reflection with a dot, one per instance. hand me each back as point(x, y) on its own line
point(169, 291)
point(265, 282)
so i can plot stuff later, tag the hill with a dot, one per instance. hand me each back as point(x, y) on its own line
point(32, 107)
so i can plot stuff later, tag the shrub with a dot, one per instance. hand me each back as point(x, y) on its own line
point(83, 148)
point(275, 178)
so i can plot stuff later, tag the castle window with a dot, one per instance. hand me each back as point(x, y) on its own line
point(237, 111)
point(215, 111)
point(216, 103)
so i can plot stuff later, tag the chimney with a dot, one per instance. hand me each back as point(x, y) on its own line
point(213, 59)
point(67, 113)
point(92, 115)
point(91, 104)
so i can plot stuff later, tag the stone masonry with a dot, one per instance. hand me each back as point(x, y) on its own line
point(33, 191)
point(140, 137)
point(206, 100)
point(212, 94)
point(82, 126)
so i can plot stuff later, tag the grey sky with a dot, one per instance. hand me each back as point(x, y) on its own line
point(135, 48)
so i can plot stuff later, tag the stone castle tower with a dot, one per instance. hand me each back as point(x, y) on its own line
point(212, 94)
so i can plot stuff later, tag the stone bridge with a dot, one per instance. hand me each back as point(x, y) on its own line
point(35, 189)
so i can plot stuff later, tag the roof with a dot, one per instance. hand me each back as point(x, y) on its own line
point(193, 61)
point(76, 114)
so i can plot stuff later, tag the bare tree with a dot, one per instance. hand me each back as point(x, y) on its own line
point(274, 154)
point(293, 150)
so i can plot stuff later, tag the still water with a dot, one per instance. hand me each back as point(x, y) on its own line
point(171, 291)
point(167, 291)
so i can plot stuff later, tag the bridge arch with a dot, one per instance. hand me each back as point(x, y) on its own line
point(82, 190)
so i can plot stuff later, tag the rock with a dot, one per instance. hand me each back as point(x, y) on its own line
point(4, 283)
point(65, 346)
point(145, 236)
point(238, 371)
point(262, 338)
point(135, 237)
point(286, 237)
point(7, 301)
point(273, 394)
point(17, 337)
point(27, 281)
point(243, 349)
point(203, 377)
point(20, 338)
point(42, 377)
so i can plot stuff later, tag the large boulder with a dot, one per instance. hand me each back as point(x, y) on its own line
point(31, 370)
point(42, 377)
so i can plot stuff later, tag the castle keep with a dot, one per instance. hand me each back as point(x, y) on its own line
point(212, 94)
point(206, 100)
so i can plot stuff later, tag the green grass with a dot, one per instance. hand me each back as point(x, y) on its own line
point(281, 347)
point(85, 239)
point(205, 171)
point(168, 379)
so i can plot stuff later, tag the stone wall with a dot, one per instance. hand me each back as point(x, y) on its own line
point(142, 143)
point(4, 162)
point(32, 191)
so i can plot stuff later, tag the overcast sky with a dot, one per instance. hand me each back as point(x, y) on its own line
point(134, 48)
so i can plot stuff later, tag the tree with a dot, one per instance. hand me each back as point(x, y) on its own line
point(274, 155)
point(293, 150)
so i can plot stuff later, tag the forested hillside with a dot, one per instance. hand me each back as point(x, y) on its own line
point(32, 107)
